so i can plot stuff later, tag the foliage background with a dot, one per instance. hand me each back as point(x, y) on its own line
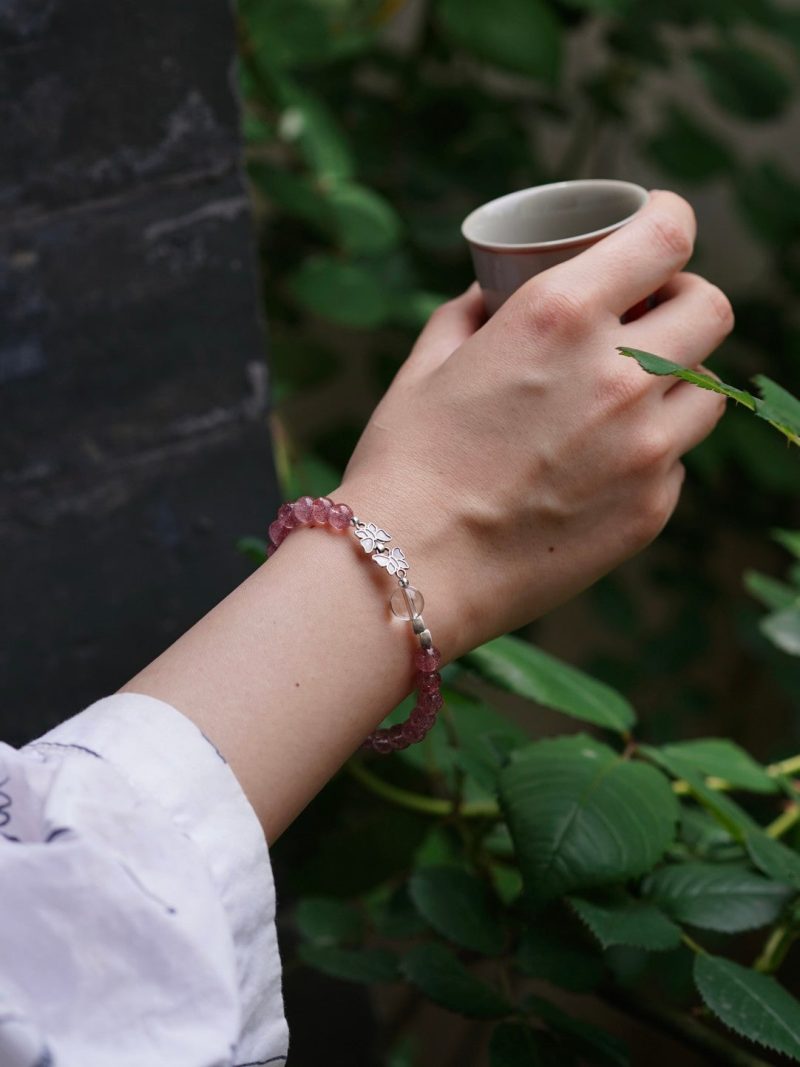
point(372, 129)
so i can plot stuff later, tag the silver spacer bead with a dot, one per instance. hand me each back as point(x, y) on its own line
point(425, 638)
point(418, 625)
point(355, 520)
point(404, 582)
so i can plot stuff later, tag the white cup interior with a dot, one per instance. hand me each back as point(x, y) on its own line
point(550, 214)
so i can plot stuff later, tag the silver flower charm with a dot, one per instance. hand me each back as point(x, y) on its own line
point(394, 562)
point(372, 538)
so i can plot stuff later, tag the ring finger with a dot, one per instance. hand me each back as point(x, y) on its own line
point(691, 319)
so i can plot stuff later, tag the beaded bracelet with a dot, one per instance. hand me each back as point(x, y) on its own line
point(406, 603)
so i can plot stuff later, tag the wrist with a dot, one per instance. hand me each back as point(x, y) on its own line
point(437, 564)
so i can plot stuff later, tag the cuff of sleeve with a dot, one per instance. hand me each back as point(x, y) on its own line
point(166, 757)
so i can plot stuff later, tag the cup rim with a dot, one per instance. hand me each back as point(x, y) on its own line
point(559, 243)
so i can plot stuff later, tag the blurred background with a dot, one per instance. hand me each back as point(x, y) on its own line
point(372, 129)
point(136, 375)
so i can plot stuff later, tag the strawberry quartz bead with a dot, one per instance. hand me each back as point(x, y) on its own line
point(303, 510)
point(286, 516)
point(339, 516)
point(381, 742)
point(397, 737)
point(427, 683)
point(277, 532)
point(427, 660)
point(431, 701)
point(413, 731)
point(321, 509)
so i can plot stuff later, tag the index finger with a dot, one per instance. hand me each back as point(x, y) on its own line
point(639, 258)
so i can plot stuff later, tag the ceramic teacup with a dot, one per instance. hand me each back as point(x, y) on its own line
point(521, 234)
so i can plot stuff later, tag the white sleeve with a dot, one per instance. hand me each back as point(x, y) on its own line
point(137, 924)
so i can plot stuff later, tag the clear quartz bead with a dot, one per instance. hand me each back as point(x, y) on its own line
point(407, 603)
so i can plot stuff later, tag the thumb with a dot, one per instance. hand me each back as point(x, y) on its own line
point(446, 330)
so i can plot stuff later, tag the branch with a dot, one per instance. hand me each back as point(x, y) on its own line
point(716, 1047)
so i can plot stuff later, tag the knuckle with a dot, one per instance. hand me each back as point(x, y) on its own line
point(671, 237)
point(555, 310)
point(650, 450)
point(721, 307)
point(621, 388)
point(655, 508)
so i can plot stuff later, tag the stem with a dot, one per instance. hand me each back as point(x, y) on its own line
point(405, 798)
point(690, 943)
point(784, 822)
point(774, 952)
point(722, 785)
point(717, 1048)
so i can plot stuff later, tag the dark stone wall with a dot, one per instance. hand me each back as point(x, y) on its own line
point(133, 387)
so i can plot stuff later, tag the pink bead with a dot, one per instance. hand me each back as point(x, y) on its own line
point(397, 737)
point(271, 550)
point(424, 716)
point(303, 510)
point(431, 701)
point(427, 659)
point(286, 516)
point(413, 731)
point(427, 683)
point(277, 532)
point(321, 509)
point(339, 516)
point(381, 742)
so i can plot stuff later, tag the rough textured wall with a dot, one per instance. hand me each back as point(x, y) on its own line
point(132, 383)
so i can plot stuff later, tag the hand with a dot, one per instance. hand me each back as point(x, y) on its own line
point(519, 460)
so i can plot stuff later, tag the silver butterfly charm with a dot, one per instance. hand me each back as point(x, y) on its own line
point(372, 538)
point(394, 562)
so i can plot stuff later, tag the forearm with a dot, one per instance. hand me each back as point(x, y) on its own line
point(291, 671)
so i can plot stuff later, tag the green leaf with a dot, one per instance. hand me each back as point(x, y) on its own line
point(307, 122)
point(327, 920)
point(581, 816)
point(774, 403)
point(517, 1045)
point(353, 965)
point(776, 860)
point(746, 83)
point(557, 953)
point(519, 35)
point(590, 1042)
point(343, 292)
point(364, 221)
point(284, 33)
point(727, 812)
point(457, 906)
point(441, 975)
point(392, 913)
point(772, 593)
point(724, 897)
point(521, 668)
point(783, 629)
point(686, 150)
point(656, 365)
point(623, 920)
point(778, 405)
point(751, 1004)
point(718, 757)
point(790, 539)
point(295, 194)
point(255, 548)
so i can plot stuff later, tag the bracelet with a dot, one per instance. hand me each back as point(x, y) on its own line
point(406, 603)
